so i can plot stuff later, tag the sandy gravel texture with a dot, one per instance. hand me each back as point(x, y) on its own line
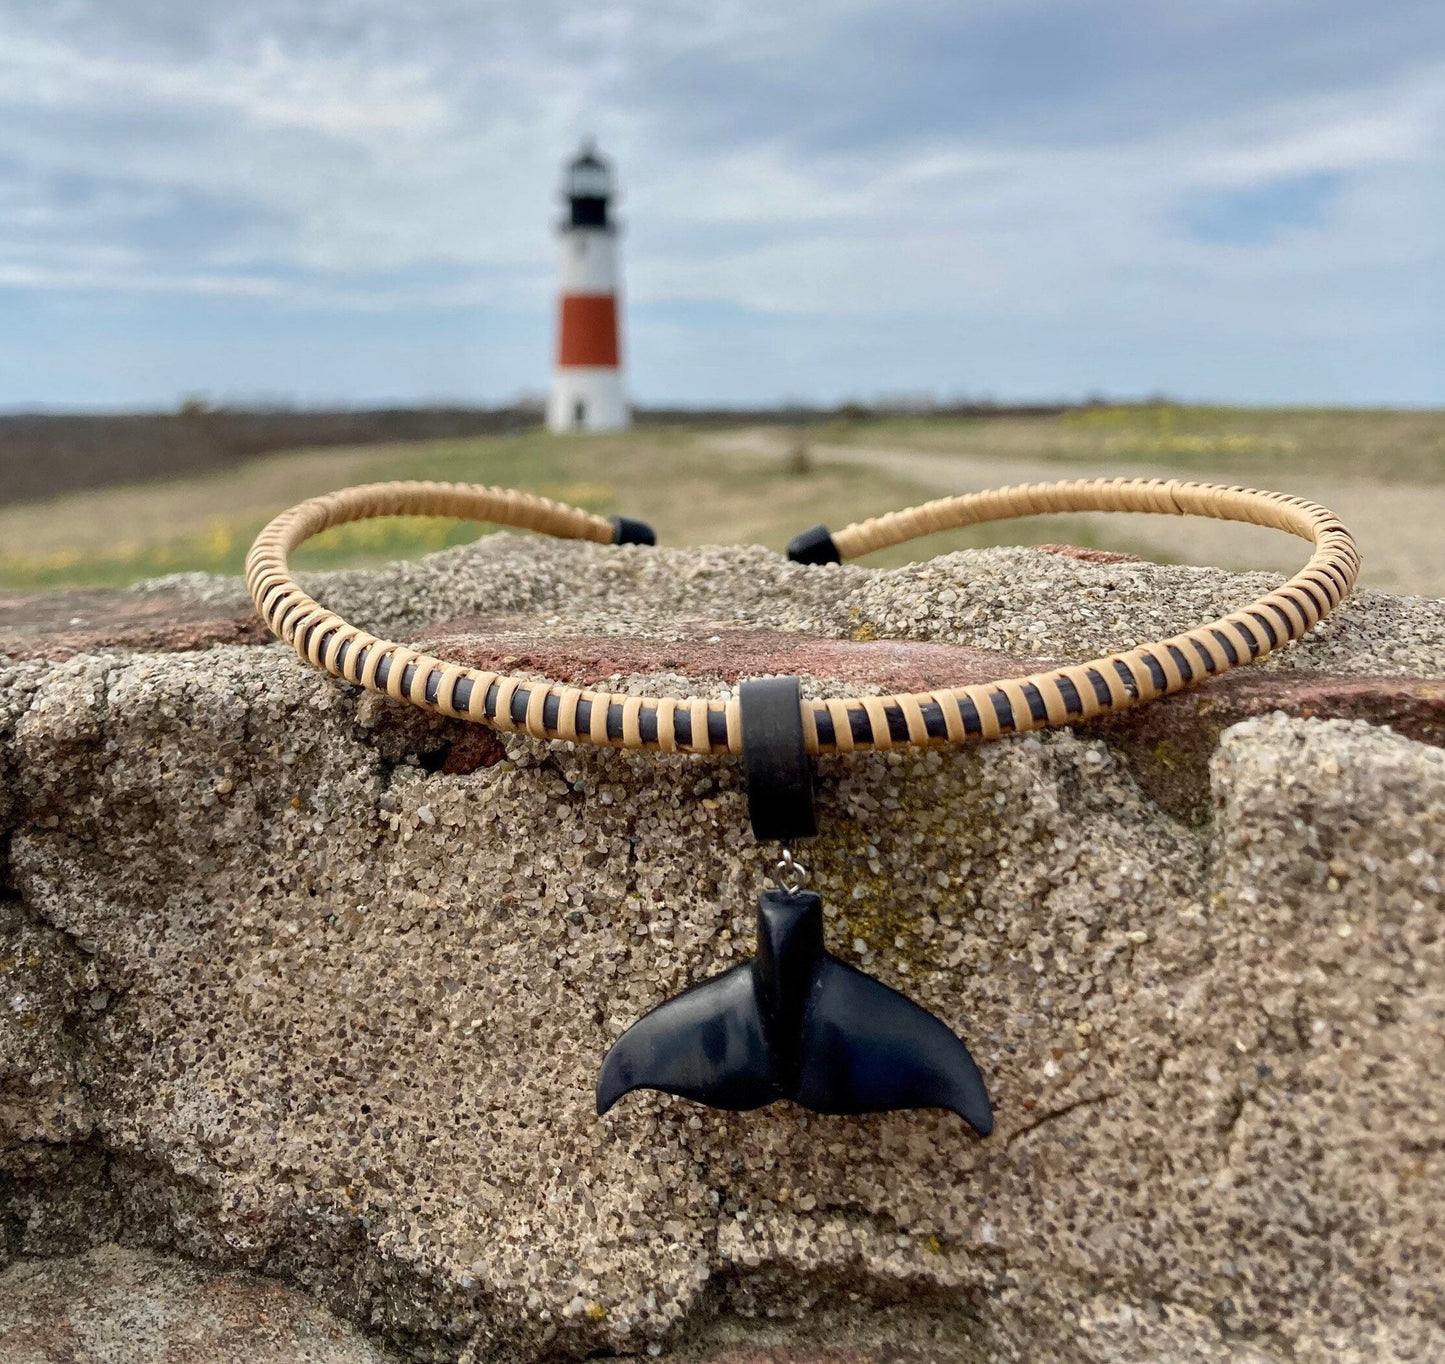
point(280, 992)
point(1016, 601)
point(134, 1307)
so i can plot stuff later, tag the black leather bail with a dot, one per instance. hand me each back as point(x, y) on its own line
point(778, 770)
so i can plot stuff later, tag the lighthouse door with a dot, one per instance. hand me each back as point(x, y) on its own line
point(579, 413)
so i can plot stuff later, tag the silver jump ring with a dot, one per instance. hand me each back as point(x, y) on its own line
point(791, 875)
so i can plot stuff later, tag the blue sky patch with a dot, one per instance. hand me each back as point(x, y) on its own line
point(1263, 213)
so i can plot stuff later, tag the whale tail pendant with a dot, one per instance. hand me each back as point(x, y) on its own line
point(796, 1023)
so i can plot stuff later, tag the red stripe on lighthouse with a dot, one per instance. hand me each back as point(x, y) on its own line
point(588, 331)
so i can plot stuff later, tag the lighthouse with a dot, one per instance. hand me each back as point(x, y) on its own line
point(587, 385)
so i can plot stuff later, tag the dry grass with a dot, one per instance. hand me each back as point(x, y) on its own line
point(1382, 472)
point(1386, 470)
point(1387, 446)
point(673, 478)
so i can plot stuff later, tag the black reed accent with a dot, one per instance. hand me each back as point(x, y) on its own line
point(1283, 619)
point(1227, 644)
point(1264, 624)
point(826, 733)
point(1181, 662)
point(1156, 671)
point(1072, 702)
point(1035, 698)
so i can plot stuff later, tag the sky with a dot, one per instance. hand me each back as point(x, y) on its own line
point(354, 201)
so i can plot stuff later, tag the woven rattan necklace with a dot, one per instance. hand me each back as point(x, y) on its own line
point(795, 1022)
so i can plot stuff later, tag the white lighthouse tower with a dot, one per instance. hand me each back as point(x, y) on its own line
point(587, 386)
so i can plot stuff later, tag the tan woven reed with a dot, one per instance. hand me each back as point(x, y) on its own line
point(553, 710)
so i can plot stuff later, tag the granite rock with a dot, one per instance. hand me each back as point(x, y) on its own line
point(136, 1307)
point(298, 982)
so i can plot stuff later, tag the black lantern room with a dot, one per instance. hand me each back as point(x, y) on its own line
point(587, 186)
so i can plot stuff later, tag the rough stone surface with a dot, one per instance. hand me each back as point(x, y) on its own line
point(297, 981)
point(59, 625)
point(134, 1307)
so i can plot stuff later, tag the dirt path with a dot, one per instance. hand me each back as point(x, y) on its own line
point(1398, 526)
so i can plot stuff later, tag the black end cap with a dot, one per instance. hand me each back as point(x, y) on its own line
point(814, 546)
point(626, 531)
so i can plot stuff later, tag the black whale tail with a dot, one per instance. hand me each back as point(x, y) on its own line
point(706, 1044)
point(868, 1049)
point(797, 1023)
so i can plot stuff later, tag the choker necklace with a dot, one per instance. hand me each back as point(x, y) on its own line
point(795, 1022)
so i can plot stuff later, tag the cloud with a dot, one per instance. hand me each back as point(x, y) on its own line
point(920, 169)
point(268, 89)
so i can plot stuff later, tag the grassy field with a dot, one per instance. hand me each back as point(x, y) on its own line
point(674, 478)
point(1383, 471)
point(1216, 444)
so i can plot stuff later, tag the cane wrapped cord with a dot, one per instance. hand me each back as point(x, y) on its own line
point(553, 710)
